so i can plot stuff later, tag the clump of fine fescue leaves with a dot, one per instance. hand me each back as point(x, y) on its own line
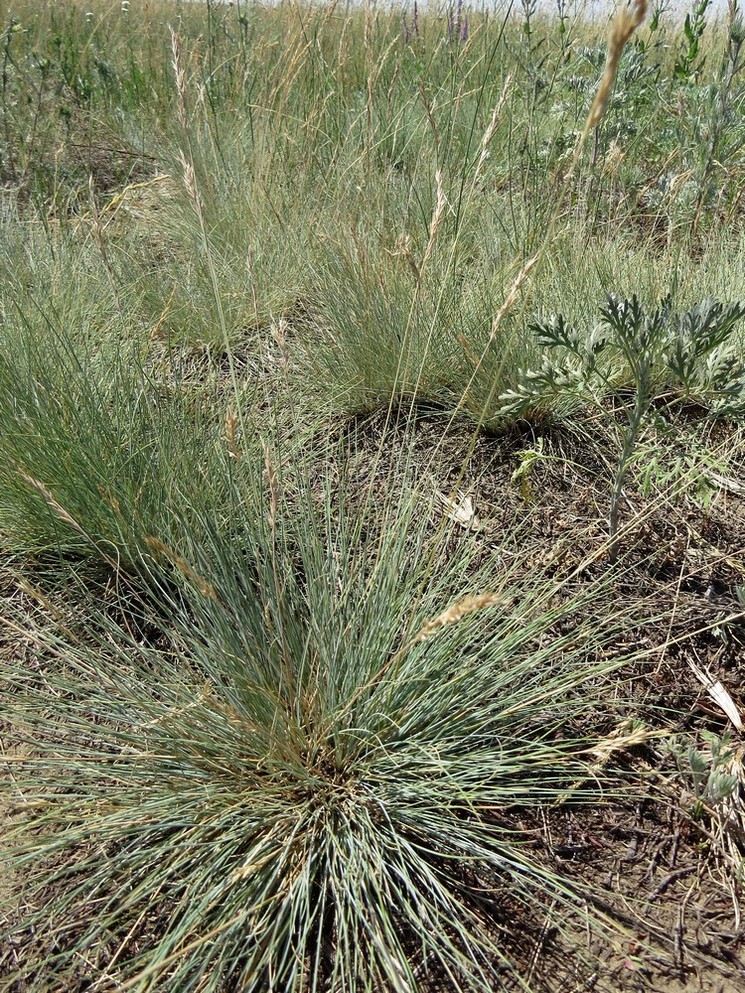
point(94, 456)
point(317, 782)
point(102, 448)
point(637, 357)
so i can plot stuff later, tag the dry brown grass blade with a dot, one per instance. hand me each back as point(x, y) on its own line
point(719, 695)
point(459, 508)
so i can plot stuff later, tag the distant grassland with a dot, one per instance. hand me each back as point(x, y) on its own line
point(320, 141)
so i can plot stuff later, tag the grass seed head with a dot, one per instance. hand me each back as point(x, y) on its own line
point(437, 218)
point(180, 76)
point(457, 611)
point(189, 573)
point(231, 422)
point(492, 127)
point(58, 509)
point(624, 25)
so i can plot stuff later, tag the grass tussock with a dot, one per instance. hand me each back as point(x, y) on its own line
point(316, 769)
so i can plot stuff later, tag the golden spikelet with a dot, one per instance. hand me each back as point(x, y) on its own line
point(625, 23)
point(58, 509)
point(157, 328)
point(625, 736)
point(403, 250)
point(180, 74)
point(270, 474)
point(512, 296)
point(457, 611)
point(110, 501)
point(430, 118)
point(190, 181)
point(437, 216)
point(491, 128)
point(180, 563)
point(231, 422)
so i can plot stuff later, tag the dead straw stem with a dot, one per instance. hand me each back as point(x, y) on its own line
point(625, 23)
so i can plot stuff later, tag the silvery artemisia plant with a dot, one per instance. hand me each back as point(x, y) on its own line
point(703, 359)
point(691, 353)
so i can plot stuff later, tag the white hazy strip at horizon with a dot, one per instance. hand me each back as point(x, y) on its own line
point(592, 8)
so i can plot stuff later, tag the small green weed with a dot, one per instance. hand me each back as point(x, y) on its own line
point(692, 353)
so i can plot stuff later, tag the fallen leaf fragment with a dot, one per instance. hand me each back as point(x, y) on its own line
point(719, 695)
